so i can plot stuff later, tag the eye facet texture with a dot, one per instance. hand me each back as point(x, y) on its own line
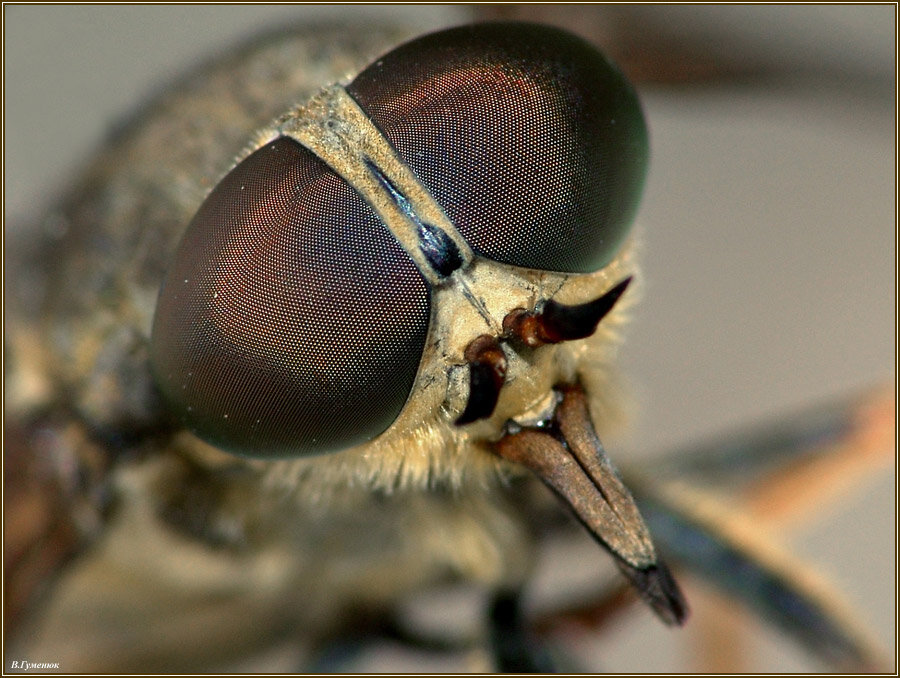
point(290, 321)
point(531, 141)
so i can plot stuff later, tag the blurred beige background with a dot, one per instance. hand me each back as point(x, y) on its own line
point(769, 225)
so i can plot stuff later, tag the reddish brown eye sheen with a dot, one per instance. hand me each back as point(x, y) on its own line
point(530, 140)
point(287, 311)
point(292, 321)
point(423, 253)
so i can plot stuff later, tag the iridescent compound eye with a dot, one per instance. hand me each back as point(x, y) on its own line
point(532, 142)
point(292, 321)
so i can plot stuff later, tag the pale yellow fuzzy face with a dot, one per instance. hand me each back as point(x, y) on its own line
point(424, 446)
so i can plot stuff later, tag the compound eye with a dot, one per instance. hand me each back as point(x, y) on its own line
point(531, 141)
point(291, 321)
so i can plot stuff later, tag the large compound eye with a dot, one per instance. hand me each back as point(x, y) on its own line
point(531, 141)
point(293, 322)
point(290, 321)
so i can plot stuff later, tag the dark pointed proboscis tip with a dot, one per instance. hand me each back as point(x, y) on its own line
point(658, 588)
point(565, 323)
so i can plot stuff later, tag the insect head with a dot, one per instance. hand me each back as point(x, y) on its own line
point(415, 249)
